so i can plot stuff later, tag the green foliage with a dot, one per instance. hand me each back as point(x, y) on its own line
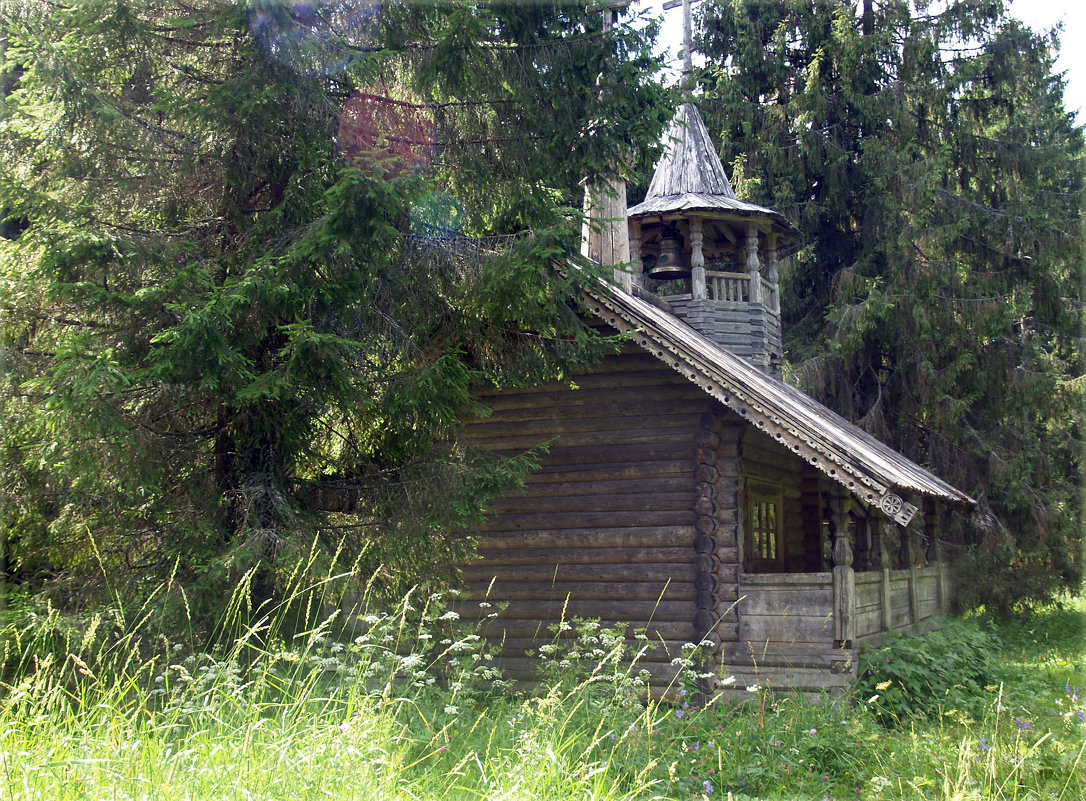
point(262, 254)
point(927, 157)
point(330, 691)
point(911, 677)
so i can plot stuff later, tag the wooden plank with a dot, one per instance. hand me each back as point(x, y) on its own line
point(928, 610)
point(755, 580)
point(787, 602)
point(587, 556)
point(868, 622)
point(777, 654)
point(633, 536)
point(515, 589)
point(786, 628)
point(789, 678)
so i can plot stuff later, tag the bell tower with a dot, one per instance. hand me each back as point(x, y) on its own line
point(712, 257)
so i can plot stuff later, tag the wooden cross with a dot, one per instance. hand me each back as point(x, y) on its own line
point(688, 38)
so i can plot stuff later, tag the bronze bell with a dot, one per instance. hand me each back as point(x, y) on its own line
point(669, 264)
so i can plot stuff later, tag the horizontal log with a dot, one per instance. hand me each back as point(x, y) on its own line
point(651, 375)
point(647, 502)
point(654, 391)
point(605, 610)
point(767, 472)
point(658, 468)
point(632, 536)
point(509, 627)
point(728, 574)
point(660, 672)
point(623, 486)
point(658, 574)
point(588, 439)
point(726, 554)
point(579, 520)
point(567, 426)
point(631, 358)
point(614, 454)
point(515, 589)
point(549, 557)
point(662, 650)
point(605, 407)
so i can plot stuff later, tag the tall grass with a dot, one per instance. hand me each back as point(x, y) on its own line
point(311, 700)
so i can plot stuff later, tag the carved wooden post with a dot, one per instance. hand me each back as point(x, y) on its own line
point(754, 267)
point(772, 275)
point(908, 561)
point(697, 260)
point(931, 529)
point(635, 253)
point(844, 581)
point(863, 544)
point(879, 558)
point(905, 547)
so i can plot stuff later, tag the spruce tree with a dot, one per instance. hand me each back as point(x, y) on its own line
point(257, 256)
point(927, 156)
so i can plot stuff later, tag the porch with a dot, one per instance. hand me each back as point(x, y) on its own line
point(802, 631)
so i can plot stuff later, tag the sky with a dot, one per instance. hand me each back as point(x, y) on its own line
point(1038, 14)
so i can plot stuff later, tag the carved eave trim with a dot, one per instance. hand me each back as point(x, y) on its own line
point(864, 483)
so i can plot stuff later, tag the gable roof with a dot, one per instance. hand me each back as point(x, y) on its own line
point(869, 469)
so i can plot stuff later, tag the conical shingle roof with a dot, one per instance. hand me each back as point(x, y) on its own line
point(690, 176)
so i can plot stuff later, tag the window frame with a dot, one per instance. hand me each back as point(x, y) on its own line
point(763, 526)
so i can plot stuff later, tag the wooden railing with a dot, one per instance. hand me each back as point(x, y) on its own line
point(770, 297)
point(896, 599)
point(727, 287)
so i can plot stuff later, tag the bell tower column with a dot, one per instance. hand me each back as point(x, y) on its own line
point(697, 259)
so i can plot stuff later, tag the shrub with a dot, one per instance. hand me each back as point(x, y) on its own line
point(911, 677)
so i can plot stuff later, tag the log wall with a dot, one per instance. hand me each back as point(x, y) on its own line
point(620, 521)
point(747, 330)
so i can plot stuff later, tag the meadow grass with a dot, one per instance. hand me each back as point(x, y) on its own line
point(400, 703)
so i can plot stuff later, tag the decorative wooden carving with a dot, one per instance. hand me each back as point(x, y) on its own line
point(697, 259)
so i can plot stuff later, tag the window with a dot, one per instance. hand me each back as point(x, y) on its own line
point(764, 545)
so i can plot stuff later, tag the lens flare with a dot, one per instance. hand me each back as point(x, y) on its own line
point(383, 136)
point(436, 216)
point(316, 38)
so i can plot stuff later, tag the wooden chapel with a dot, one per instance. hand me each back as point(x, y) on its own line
point(689, 492)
